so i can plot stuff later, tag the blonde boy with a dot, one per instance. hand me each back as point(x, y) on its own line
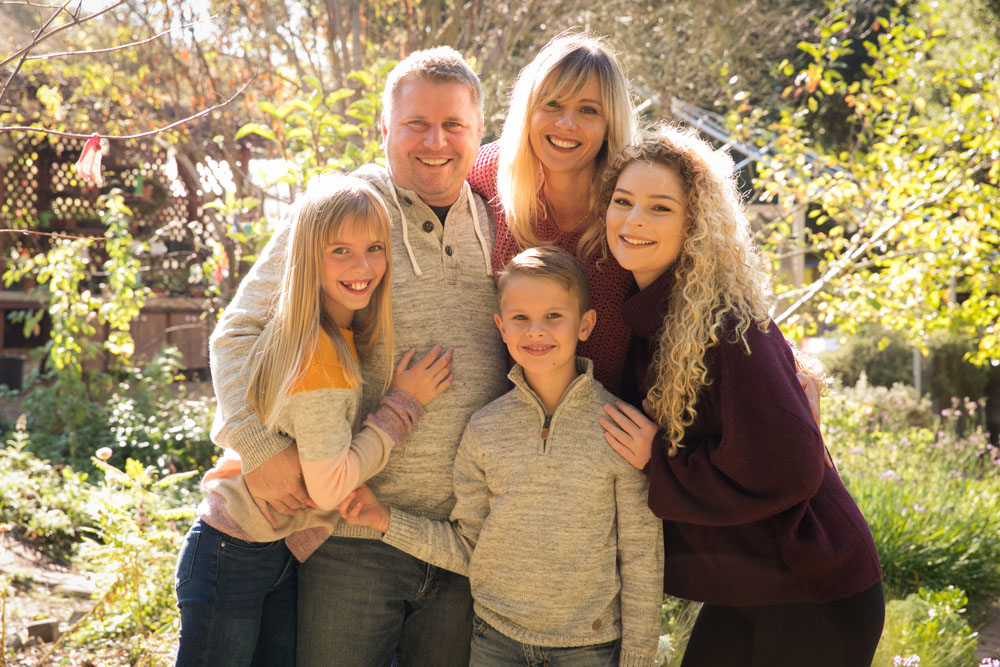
point(564, 557)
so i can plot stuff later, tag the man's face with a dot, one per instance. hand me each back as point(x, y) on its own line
point(431, 138)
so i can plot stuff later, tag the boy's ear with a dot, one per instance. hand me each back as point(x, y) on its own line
point(587, 322)
point(499, 323)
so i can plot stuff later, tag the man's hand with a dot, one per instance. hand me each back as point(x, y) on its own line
point(277, 483)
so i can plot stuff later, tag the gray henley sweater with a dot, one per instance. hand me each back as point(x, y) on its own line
point(442, 292)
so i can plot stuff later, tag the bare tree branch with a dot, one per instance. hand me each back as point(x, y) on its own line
point(25, 51)
point(40, 37)
point(116, 48)
point(203, 112)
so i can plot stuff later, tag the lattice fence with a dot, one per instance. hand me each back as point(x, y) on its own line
point(41, 190)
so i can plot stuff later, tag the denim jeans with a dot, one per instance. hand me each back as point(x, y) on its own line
point(491, 648)
point(237, 601)
point(363, 603)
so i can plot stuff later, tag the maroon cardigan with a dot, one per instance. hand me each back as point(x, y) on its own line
point(607, 280)
point(752, 515)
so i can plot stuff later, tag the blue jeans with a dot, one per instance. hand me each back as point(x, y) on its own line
point(364, 603)
point(491, 648)
point(237, 601)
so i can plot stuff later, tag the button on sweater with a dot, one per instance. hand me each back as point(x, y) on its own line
point(752, 515)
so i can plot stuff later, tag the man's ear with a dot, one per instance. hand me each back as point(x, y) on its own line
point(385, 126)
point(587, 322)
point(499, 323)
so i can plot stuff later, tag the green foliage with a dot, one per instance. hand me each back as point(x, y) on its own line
point(41, 502)
point(132, 552)
point(138, 413)
point(930, 495)
point(882, 354)
point(678, 620)
point(929, 624)
point(905, 232)
point(312, 132)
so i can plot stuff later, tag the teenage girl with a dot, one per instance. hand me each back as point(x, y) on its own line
point(755, 525)
point(236, 574)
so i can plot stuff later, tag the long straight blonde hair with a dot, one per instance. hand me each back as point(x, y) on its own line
point(284, 349)
point(559, 72)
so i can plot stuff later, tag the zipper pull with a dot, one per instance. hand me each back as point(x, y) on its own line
point(545, 427)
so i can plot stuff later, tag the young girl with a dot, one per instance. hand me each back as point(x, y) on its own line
point(755, 525)
point(236, 583)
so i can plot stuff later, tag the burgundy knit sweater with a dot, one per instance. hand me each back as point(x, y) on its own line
point(608, 281)
point(752, 515)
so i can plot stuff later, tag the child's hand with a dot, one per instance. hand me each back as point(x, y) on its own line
point(629, 432)
point(428, 377)
point(362, 508)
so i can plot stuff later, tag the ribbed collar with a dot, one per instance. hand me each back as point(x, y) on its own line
point(643, 310)
point(584, 366)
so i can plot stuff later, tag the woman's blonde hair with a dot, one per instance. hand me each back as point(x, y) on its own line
point(559, 72)
point(282, 352)
point(721, 281)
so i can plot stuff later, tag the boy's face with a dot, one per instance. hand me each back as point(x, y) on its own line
point(541, 323)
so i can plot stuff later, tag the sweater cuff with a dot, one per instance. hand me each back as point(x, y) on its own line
point(256, 444)
point(397, 414)
point(632, 659)
point(303, 543)
point(404, 531)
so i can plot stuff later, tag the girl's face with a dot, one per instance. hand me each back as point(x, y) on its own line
point(353, 265)
point(567, 135)
point(646, 220)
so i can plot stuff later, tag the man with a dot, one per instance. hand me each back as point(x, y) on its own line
point(362, 602)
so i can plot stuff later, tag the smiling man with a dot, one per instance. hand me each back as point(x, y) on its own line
point(362, 602)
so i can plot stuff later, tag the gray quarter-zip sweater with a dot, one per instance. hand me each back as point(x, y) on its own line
point(442, 292)
point(550, 524)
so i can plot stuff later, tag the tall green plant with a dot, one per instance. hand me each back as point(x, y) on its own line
point(134, 544)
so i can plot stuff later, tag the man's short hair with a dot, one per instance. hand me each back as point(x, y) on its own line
point(552, 264)
point(442, 64)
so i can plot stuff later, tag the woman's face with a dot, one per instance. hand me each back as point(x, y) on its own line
point(647, 219)
point(567, 135)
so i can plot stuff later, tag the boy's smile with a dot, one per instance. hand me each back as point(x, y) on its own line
point(541, 323)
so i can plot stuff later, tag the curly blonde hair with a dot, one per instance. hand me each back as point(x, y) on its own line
point(721, 281)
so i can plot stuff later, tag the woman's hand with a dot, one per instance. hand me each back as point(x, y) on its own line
point(629, 432)
point(428, 377)
point(362, 508)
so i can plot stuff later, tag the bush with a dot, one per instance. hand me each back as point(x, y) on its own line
point(928, 629)
point(882, 354)
point(140, 413)
point(931, 496)
point(42, 503)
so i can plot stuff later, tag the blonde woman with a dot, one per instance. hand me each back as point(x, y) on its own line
point(755, 524)
point(236, 574)
point(569, 111)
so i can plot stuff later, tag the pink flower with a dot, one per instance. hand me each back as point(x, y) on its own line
point(89, 164)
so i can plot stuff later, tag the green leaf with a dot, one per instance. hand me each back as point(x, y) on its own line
point(255, 128)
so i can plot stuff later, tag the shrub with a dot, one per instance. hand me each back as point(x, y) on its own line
point(132, 549)
point(882, 354)
point(931, 496)
point(928, 629)
point(42, 503)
